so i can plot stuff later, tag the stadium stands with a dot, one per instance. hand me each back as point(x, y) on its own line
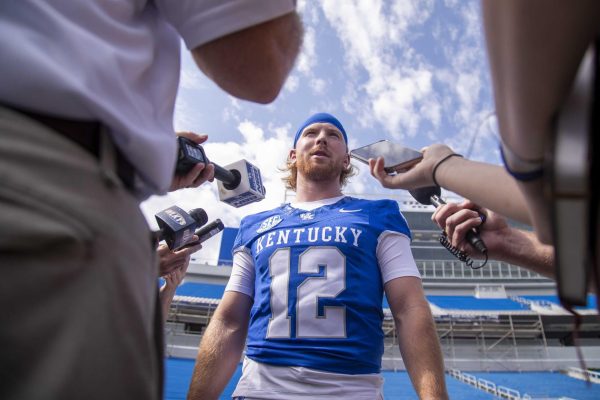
point(591, 300)
point(396, 385)
point(498, 318)
point(206, 290)
point(473, 303)
point(543, 384)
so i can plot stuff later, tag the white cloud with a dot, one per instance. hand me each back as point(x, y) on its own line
point(374, 36)
point(468, 87)
point(307, 59)
point(292, 83)
point(251, 132)
point(318, 85)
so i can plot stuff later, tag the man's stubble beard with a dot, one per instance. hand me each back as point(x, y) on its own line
point(320, 172)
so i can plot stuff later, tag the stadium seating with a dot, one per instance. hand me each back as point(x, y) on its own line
point(498, 318)
point(473, 303)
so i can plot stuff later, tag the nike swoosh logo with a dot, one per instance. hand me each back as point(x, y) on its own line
point(349, 211)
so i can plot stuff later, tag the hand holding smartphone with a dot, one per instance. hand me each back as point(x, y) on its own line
point(397, 158)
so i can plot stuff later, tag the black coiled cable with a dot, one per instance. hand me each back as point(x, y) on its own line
point(461, 255)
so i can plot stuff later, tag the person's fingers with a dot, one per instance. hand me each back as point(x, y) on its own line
point(188, 179)
point(470, 205)
point(185, 266)
point(376, 167)
point(443, 213)
point(460, 223)
point(482, 212)
point(166, 269)
point(453, 221)
point(187, 251)
point(172, 261)
point(438, 213)
point(378, 171)
point(176, 257)
point(195, 137)
point(372, 166)
point(162, 250)
point(207, 174)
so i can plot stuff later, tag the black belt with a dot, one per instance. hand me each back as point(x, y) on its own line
point(87, 135)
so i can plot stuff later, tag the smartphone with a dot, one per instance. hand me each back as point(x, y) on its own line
point(397, 158)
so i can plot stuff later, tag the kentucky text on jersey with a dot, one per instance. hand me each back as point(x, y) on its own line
point(336, 234)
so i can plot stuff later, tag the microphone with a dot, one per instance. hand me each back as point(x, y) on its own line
point(245, 188)
point(431, 196)
point(239, 183)
point(209, 230)
point(177, 226)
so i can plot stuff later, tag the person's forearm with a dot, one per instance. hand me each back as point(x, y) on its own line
point(219, 354)
point(486, 185)
point(524, 249)
point(421, 352)
point(252, 64)
point(165, 296)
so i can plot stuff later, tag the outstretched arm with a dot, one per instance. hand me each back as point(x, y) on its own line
point(221, 347)
point(252, 64)
point(167, 291)
point(173, 266)
point(503, 242)
point(486, 184)
point(418, 340)
point(534, 51)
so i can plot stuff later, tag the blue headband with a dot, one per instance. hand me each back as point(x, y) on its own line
point(321, 117)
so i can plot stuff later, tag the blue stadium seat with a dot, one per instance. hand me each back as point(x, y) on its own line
point(397, 385)
point(591, 299)
point(206, 290)
point(543, 384)
point(473, 303)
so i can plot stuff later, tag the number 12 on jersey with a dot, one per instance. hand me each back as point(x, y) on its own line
point(309, 324)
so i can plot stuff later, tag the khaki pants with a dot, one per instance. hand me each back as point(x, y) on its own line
point(77, 274)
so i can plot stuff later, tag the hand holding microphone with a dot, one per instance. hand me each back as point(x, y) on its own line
point(177, 227)
point(431, 196)
point(240, 183)
point(198, 172)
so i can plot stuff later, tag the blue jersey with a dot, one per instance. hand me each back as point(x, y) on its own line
point(318, 288)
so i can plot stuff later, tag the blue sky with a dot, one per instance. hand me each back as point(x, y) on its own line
point(412, 72)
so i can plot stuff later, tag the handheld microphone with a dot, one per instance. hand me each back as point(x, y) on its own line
point(207, 232)
point(431, 196)
point(239, 183)
point(177, 226)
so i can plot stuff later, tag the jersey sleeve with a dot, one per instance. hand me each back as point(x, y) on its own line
point(242, 274)
point(395, 257)
point(199, 22)
point(393, 244)
point(387, 217)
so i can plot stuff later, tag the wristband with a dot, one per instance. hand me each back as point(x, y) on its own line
point(521, 170)
point(435, 167)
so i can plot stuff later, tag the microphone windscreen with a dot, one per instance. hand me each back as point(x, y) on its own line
point(423, 195)
point(199, 216)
